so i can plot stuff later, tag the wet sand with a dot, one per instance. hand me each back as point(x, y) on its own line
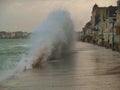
point(89, 67)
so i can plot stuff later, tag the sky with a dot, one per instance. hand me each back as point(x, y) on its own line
point(26, 15)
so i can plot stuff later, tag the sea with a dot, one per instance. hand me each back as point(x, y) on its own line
point(11, 52)
point(54, 38)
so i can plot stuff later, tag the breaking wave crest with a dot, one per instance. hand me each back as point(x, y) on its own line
point(53, 39)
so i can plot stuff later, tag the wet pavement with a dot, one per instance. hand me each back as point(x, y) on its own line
point(89, 67)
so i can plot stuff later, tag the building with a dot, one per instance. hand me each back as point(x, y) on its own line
point(117, 26)
point(2, 34)
point(102, 26)
point(14, 35)
point(87, 32)
point(98, 23)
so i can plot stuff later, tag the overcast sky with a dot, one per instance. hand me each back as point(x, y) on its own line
point(25, 15)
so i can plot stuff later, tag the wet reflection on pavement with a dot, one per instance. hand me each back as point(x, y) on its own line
point(89, 67)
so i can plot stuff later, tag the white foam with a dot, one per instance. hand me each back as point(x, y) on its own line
point(53, 38)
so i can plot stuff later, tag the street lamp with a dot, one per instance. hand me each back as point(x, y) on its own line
point(113, 24)
point(113, 35)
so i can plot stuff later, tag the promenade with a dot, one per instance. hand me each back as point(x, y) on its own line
point(89, 67)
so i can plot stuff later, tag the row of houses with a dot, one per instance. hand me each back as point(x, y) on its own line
point(13, 35)
point(104, 27)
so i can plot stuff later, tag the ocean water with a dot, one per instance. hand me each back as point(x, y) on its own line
point(53, 39)
point(11, 51)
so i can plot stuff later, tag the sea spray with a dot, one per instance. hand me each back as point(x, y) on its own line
point(52, 39)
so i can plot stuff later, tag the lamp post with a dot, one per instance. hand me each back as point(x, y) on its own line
point(113, 42)
point(102, 38)
point(113, 23)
